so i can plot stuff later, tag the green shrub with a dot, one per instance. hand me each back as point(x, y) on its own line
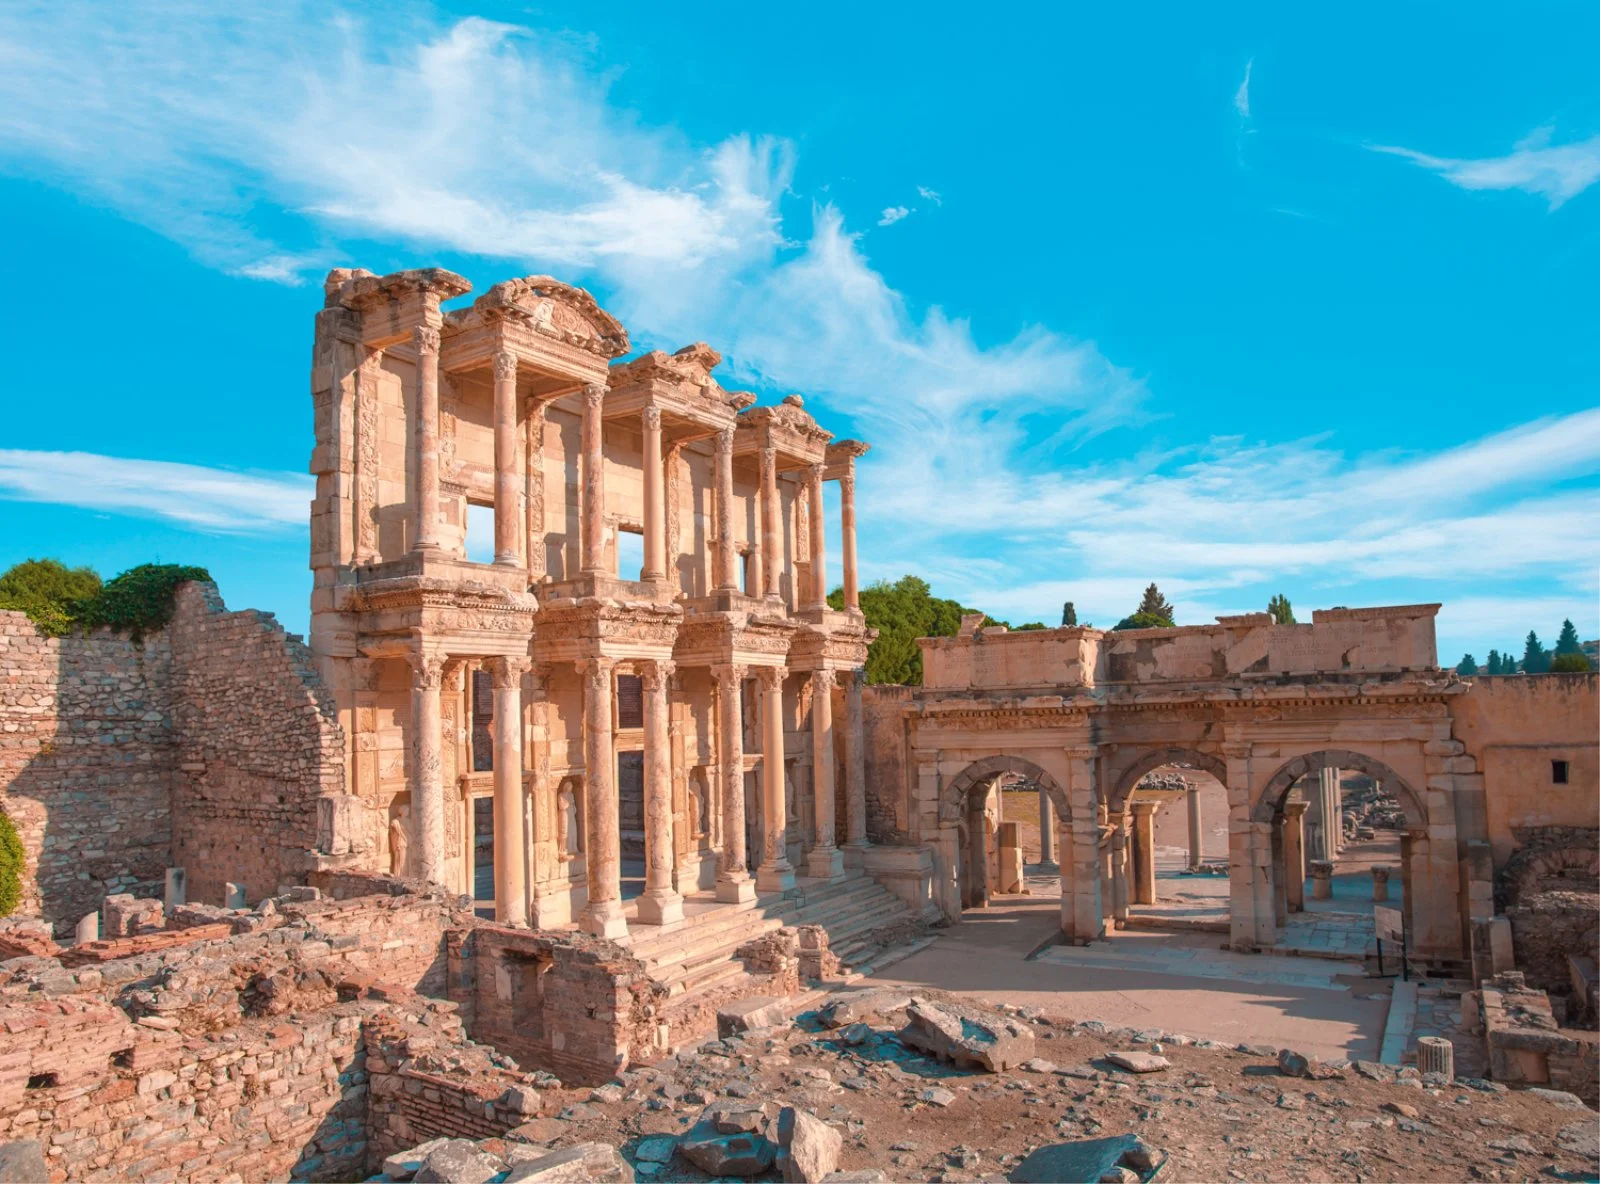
point(11, 864)
point(54, 596)
point(140, 599)
point(1569, 664)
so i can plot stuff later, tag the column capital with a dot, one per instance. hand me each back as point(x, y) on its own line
point(729, 672)
point(725, 442)
point(656, 673)
point(594, 394)
point(427, 671)
point(769, 462)
point(1143, 805)
point(847, 482)
point(505, 365)
point(814, 473)
point(1295, 809)
point(507, 672)
point(771, 677)
point(595, 666)
point(426, 339)
point(455, 673)
point(652, 419)
point(822, 677)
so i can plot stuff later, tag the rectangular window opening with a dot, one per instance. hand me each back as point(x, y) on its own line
point(480, 532)
point(1558, 772)
point(482, 722)
point(630, 554)
point(747, 574)
point(630, 701)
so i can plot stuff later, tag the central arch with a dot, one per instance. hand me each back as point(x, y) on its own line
point(981, 771)
point(964, 806)
point(1152, 759)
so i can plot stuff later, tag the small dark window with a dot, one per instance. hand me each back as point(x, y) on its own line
point(43, 1081)
point(630, 701)
point(1558, 772)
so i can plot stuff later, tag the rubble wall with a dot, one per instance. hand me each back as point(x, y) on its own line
point(1547, 928)
point(884, 731)
point(580, 1007)
point(257, 743)
point(86, 763)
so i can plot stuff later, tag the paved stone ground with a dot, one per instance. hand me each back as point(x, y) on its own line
point(1148, 979)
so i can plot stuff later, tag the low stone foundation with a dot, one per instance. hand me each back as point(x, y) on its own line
point(1528, 1047)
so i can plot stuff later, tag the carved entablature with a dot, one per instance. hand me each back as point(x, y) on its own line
point(467, 616)
point(551, 309)
point(571, 630)
point(786, 427)
point(841, 457)
point(391, 306)
point(739, 638)
point(680, 384)
point(831, 648)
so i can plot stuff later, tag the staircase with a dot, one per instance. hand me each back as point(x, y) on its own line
point(698, 956)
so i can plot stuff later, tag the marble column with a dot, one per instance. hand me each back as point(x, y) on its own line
point(734, 885)
point(775, 873)
point(592, 464)
point(1047, 833)
point(818, 597)
point(855, 760)
point(655, 500)
point(507, 477)
point(533, 489)
point(1119, 874)
point(427, 768)
point(727, 577)
point(1332, 823)
point(510, 853)
point(660, 904)
point(825, 861)
point(1294, 855)
point(426, 531)
point(1196, 834)
point(847, 520)
point(602, 915)
point(1144, 855)
point(771, 512)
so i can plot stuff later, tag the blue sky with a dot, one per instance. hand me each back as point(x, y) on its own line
point(1240, 303)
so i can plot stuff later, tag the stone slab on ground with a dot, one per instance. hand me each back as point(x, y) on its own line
point(751, 1013)
point(1082, 1161)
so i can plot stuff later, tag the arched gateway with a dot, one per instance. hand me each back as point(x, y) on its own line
point(1254, 704)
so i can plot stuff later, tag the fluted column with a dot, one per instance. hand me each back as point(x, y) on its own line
point(593, 559)
point(771, 512)
point(775, 873)
point(727, 580)
point(655, 500)
point(427, 768)
point(660, 904)
point(855, 761)
point(733, 877)
point(426, 339)
point(602, 915)
point(510, 848)
point(847, 523)
point(825, 861)
point(819, 540)
point(507, 478)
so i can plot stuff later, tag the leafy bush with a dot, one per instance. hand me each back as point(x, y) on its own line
point(140, 599)
point(1569, 664)
point(11, 863)
point(54, 596)
point(1144, 620)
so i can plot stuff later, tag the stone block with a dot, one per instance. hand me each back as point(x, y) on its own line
point(757, 1011)
point(583, 1163)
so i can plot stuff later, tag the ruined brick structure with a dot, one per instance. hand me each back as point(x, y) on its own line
point(682, 714)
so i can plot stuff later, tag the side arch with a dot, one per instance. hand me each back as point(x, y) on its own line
point(1277, 787)
point(955, 793)
point(1122, 783)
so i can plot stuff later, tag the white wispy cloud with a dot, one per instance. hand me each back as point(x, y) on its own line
point(1557, 173)
point(893, 214)
point(1241, 97)
point(929, 195)
point(192, 495)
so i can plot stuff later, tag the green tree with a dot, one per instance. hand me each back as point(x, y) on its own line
point(140, 599)
point(1030, 625)
point(1569, 664)
point(901, 612)
point(55, 597)
point(1282, 612)
point(1467, 665)
point(1069, 615)
point(1567, 643)
point(1535, 658)
point(11, 864)
point(1155, 604)
point(1492, 666)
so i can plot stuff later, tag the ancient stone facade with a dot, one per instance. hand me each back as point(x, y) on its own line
point(208, 745)
point(701, 713)
point(1087, 714)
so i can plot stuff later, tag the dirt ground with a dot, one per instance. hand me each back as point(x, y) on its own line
point(1218, 1112)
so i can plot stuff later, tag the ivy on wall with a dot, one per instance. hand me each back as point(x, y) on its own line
point(11, 859)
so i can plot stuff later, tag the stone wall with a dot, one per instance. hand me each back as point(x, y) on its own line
point(257, 743)
point(580, 1007)
point(1547, 928)
point(86, 761)
point(883, 725)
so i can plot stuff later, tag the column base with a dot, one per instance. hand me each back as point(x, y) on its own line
point(516, 918)
point(1049, 867)
point(775, 876)
point(552, 910)
point(825, 863)
point(736, 890)
point(661, 906)
point(604, 919)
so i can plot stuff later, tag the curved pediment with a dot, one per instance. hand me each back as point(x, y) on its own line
point(558, 310)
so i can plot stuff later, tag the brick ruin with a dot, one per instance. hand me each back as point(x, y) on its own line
point(520, 812)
